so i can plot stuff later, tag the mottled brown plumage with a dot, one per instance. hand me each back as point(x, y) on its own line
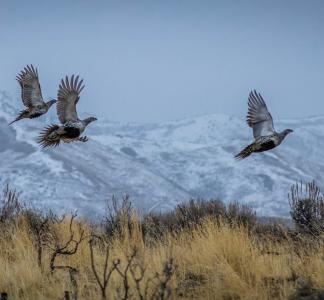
point(72, 127)
point(260, 120)
point(31, 95)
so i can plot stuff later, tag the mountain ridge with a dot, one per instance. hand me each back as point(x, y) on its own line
point(157, 164)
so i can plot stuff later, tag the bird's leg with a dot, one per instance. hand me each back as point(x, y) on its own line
point(83, 139)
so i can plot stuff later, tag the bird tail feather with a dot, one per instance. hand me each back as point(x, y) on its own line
point(22, 114)
point(247, 151)
point(49, 137)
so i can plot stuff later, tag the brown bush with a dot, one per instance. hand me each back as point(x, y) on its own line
point(307, 208)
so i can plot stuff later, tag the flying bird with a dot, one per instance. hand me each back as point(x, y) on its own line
point(259, 118)
point(71, 126)
point(31, 95)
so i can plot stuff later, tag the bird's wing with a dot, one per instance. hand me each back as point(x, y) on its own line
point(31, 93)
point(258, 116)
point(68, 97)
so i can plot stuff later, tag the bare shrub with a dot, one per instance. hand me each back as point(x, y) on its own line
point(107, 270)
point(162, 290)
point(10, 206)
point(242, 214)
point(307, 208)
point(191, 214)
point(125, 294)
point(119, 214)
point(39, 226)
point(131, 269)
point(185, 215)
point(66, 249)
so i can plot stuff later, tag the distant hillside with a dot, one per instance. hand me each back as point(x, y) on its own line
point(158, 165)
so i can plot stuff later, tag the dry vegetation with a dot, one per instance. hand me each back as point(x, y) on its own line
point(202, 250)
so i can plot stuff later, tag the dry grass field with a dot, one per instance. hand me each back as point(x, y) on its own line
point(47, 257)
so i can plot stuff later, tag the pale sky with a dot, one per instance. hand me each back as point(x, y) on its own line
point(152, 61)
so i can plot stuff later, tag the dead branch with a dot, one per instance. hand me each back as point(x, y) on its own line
point(70, 247)
point(135, 269)
point(123, 274)
point(107, 272)
point(162, 290)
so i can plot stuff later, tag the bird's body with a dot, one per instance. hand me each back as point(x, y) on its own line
point(71, 126)
point(31, 95)
point(265, 136)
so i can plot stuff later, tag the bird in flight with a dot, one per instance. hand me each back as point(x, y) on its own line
point(71, 126)
point(259, 118)
point(31, 95)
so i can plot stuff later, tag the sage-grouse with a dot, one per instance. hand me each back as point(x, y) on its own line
point(259, 118)
point(72, 127)
point(31, 95)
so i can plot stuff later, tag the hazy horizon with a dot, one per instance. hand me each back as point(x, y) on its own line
point(168, 60)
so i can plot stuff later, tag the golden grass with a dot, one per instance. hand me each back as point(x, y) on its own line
point(212, 262)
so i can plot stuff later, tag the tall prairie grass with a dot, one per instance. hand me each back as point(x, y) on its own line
point(216, 260)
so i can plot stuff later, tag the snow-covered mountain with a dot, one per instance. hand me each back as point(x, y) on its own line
point(158, 165)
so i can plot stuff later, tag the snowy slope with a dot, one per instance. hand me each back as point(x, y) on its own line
point(158, 165)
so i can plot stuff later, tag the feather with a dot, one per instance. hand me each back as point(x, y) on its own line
point(68, 97)
point(247, 151)
point(258, 116)
point(48, 137)
point(22, 115)
point(31, 94)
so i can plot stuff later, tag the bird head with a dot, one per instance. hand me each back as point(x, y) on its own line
point(286, 132)
point(89, 120)
point(51, 102)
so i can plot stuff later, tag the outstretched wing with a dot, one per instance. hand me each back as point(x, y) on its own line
point(31, 93)
point(67, 98)
point(258, 116)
